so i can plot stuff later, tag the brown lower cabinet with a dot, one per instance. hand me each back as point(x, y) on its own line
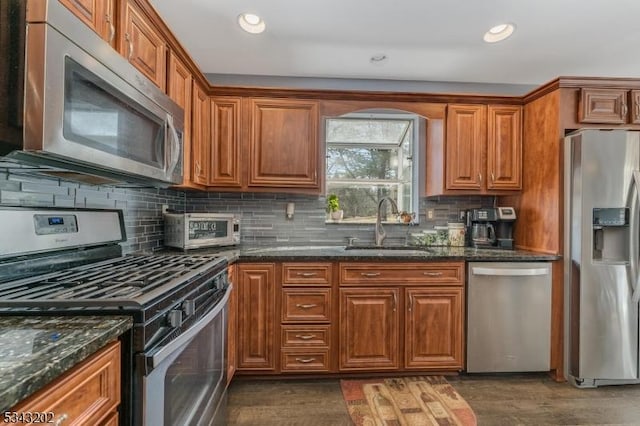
point(256, 317)
point(323, 317)
point(433, 328)
point(88, 394)
point(232, 325)
point(369, 328)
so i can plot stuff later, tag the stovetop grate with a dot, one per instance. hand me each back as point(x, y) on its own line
point(119, 281)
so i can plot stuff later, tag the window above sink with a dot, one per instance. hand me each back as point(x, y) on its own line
point(371, 156)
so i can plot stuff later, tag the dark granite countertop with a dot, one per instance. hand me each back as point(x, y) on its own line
point(340, 253)
point(34, 350)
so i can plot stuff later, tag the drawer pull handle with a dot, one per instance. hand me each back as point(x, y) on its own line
point(61, 419)
point(370, 274)
point(306, 306)
point(432, 274)
point(306, 274)
point(305, 336)
point(305, 360)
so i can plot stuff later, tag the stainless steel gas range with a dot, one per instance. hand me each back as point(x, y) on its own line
point(68, 261)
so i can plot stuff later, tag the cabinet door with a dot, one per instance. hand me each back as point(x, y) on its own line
point(433, 328)
point(143, 46)
point(200, 143)
point(225, 142)
point(504, 147)
point(179, 87)
point(635, 106)
point(256, 316)
point(465, 146)
point(96, 14)
point(283, 143)
point(369, 321)
point(232, 325)
point(87, 394)
point(603, 106)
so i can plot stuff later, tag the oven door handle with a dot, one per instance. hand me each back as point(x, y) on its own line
point(155, 357)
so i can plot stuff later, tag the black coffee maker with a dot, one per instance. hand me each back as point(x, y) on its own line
point(504, 227)
point(491, 227)
point(481, 229)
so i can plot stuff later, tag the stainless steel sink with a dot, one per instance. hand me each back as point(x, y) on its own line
point(400, 248)
point(294, 248)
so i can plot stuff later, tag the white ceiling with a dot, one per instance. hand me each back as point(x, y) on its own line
point(425, 40)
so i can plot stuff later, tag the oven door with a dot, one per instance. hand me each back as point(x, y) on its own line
point(92, 114)
point(186, 380)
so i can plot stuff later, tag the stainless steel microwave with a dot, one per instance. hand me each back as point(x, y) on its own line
point(74, 108)
point(197, 230)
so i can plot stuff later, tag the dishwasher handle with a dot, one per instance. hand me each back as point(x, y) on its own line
point(509, 272)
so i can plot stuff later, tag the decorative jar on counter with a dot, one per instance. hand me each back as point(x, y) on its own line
point(456, 234)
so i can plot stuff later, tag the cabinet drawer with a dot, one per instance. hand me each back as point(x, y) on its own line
point(297, 274)
point(295, 360)
point(305, 335)
point(86, 394)
point(402, 273)
point(305, 305)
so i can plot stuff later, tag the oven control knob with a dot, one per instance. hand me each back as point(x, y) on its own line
point(174, 318)
point(189, 307)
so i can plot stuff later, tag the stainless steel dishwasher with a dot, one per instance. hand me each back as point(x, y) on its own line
point(508, 317)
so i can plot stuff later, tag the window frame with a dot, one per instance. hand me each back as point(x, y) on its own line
point(416, 155)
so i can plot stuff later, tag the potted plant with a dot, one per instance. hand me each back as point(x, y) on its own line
point(333, 204)
point(407, 217)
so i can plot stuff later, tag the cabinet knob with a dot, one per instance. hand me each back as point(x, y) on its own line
point(306, 274)
point(432, 274)
point(624, 109)
point(305, 360)
point(370, 274)
point(61, 419)
point(480, 177)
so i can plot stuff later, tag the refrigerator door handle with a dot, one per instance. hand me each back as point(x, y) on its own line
point(633, 241)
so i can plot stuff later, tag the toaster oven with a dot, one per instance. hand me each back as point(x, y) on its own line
point(197, 230)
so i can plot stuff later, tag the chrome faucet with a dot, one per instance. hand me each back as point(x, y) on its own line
point(380, 233)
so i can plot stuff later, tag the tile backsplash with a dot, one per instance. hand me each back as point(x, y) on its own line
point(262, 215)
point(264, 221)
point(142, 207)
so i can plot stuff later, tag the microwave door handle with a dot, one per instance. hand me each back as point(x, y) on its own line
point(175, 146)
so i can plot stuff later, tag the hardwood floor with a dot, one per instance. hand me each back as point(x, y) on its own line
point(497, 400)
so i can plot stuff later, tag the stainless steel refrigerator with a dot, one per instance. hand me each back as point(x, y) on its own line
point(602, 285)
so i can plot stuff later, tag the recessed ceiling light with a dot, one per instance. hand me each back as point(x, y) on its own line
point(379, 58)
point(251, 23)
point(499, 33)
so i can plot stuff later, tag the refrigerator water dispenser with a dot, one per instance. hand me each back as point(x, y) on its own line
point(611, 234)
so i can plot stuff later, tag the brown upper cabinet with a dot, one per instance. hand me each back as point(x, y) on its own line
point(504, 147)
point(466, 138)
point(179, 88)
point(200, 140)
point(609, 106)
point(97, 14)
point(482, 151)
point(142, 44)
point(225, 142)
point(283, 143)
